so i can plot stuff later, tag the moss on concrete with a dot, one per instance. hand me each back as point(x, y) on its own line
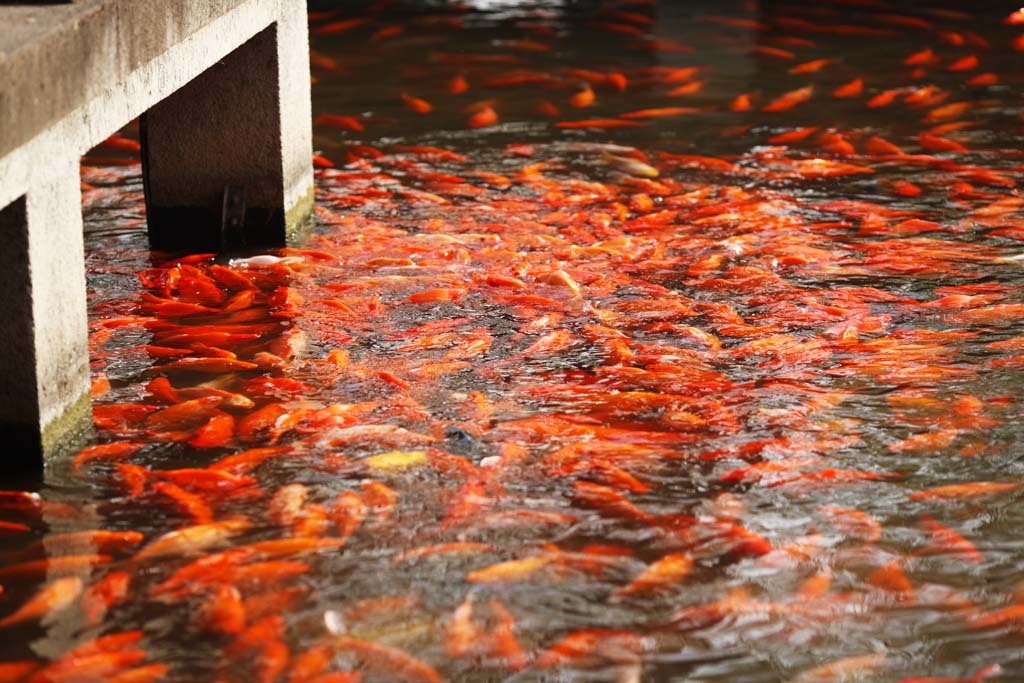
point(298, 218)
point(68, 431)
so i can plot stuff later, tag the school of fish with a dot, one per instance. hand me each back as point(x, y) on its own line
point(588, 371)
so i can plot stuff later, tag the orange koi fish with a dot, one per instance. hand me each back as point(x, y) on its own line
point(831, 477)
point(774, 52)
point(933, 143)
point(598, 123)
point(12, 672)
point(877, 146)
point(810, 67)
point(607, 501)
point(342, 26)
point(121, 144)
point(741, 103)
point(52, 599)
point(852, 89)
point(977, 677)
point(798, 135)
point(222, 611)
point(789, 99)
point(339, 122)
point(416, 104)
point(968, 63)
point(659, 575)
point(348, 512)
point(948, 542)
point(584, 98)
point(54, 567)
point(686, 89)
point(583, 646)
point(891, 578)
point(191, 539)
point(386, 32)
point(458, 84)
point(483, 118)
point(925, 57)
point(849, 668)
point(512, 570)
point(885, 98)
point(93, 540)
point(815, 587)
point(98, 598)
point(388, 661)
point(768, 469)
point(658, 112)
point(969, 491)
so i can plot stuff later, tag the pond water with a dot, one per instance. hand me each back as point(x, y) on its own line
point(633, 342)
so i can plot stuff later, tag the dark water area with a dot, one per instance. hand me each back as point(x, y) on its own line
point(633, 342)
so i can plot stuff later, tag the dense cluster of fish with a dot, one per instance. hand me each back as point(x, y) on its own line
point(566, 408)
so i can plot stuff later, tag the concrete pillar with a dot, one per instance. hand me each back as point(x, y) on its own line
point(244, 122)
point(44, 353)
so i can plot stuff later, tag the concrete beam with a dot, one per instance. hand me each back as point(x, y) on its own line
point(72, 75)
point(226, 83)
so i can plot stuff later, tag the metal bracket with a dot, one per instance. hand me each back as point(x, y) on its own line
point(232, 225)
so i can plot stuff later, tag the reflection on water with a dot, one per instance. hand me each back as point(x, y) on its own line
point(634, 342)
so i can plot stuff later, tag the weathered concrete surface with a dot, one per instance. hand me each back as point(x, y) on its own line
point(238, 123)
point(73, 74)
point(56, 58)
point(44, 356)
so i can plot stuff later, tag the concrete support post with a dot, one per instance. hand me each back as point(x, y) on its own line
point(223, 86)
point(244, 122)
point(44, 353)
